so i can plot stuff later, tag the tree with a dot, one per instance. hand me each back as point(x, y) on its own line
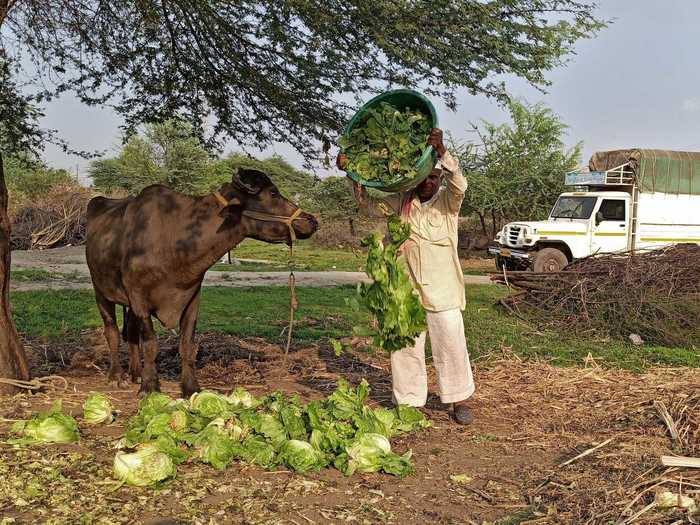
point(269, 71)
point(516, 171)
point(166, 153)
point(293, 183)
point(333, 199)
point(19, 133)
point(28, 177)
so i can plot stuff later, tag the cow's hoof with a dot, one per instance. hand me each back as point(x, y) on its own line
point(148, 387)
point(189, 388)
point(136, 379)
point(117, 382)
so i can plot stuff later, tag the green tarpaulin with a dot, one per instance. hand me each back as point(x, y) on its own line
point(656, 170)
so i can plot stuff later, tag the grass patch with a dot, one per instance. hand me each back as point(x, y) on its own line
point(307, 257)
point(263, 312)
point(41, 275)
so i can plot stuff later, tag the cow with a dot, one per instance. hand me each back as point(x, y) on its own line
point(149, 253)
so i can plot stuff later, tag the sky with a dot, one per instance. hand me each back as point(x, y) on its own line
point(637, 84)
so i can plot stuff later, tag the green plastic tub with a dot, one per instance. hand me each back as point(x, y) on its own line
point(401, 98)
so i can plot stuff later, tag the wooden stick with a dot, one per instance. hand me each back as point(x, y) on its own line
point(586, 453)
point(680, 461)
point(668, 420)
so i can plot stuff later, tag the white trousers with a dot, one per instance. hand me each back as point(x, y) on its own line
point(449, 347)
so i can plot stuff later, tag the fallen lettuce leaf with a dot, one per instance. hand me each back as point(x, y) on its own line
point(410, 419)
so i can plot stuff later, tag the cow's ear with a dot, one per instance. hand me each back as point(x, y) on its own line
point(233, 207)
point(250, 181)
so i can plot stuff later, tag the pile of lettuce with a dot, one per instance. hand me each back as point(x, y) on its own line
point(277, 430)
point(390, 298)
point(387, 145)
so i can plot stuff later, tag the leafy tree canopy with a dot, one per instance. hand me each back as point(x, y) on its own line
point(516, 171)
point(284, 71)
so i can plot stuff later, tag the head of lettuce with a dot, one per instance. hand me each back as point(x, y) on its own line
point(51, 426)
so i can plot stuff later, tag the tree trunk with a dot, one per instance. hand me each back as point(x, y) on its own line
point(483, 223)
point(353, 231)
point(13, 361)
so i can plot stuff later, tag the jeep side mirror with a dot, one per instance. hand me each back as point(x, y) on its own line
point(598, 218)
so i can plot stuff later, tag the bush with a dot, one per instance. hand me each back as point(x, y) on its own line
point(56, 218)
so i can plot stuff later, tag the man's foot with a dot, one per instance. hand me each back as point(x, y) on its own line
point(462, 414)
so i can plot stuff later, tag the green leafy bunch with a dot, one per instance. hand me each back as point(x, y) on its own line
point(275, 430)
point(390, 298)
point(387, 146)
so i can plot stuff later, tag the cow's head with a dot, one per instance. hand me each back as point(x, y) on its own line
point(258, 196)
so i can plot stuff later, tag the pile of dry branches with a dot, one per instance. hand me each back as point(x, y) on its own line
point(653, 294)
point(53, 220)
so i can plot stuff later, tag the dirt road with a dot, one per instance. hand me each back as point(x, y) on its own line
point(71, 260)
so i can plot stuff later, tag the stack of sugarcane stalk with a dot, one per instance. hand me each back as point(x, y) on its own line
point(654, 294)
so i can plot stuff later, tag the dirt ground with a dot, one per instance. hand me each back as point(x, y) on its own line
point(71, 260)
point(530, 418)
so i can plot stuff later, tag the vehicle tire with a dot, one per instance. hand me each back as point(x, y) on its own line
point(549, 260)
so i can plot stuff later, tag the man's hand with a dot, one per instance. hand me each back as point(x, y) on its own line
point(435, 140)
point(341, 161)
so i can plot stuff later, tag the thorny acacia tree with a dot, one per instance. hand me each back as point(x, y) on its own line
point(516, 170)
point(282, 70)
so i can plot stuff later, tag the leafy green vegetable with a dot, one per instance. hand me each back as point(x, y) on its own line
point(211, 405)
point(215, 446)
point(301, 456)
point(410, 419)
point(51, 426)
point(346, 402)
point(240, 397)
point(372, 453)
point(168, 445)
point(387, 146)
point(98, 409)
point(390, 298)
point(258, 451)
point(146, 466)
point(277, 429)
point(154, 403)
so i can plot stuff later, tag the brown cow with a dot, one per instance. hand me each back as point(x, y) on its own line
point(149, 253)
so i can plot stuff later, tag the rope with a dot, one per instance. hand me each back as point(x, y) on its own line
point(293, 301)
point(35, 384)
point(288, 221)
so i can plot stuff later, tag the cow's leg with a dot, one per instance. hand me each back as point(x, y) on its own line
point(132, 336)
point(188, 347)
point(149, 345)
point(109, 318)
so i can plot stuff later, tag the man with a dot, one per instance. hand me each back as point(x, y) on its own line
point(433, 263)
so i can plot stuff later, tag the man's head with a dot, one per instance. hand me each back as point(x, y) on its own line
point(430, 186)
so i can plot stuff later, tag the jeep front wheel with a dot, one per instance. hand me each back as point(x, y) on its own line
point(549, 260)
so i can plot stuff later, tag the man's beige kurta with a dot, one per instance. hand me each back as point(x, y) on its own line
point(431, 251)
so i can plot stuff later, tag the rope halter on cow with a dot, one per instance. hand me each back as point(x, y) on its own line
point(268, 217)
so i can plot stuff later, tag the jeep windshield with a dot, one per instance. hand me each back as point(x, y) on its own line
point(573, 208)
